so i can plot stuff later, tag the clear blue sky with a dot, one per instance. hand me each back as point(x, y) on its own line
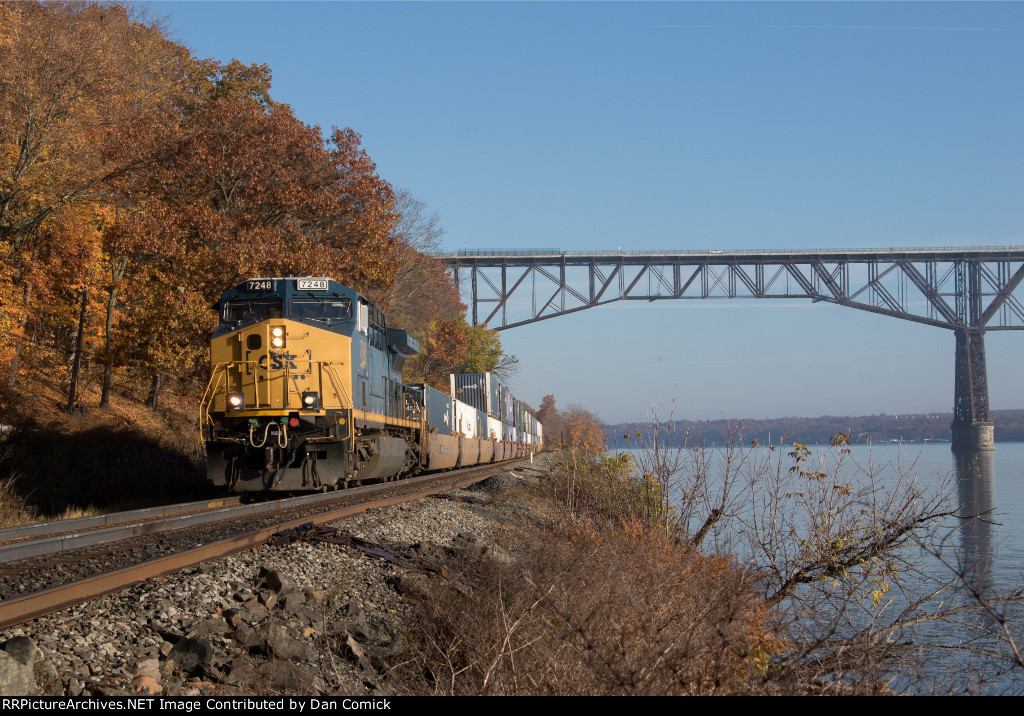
point(681, 126)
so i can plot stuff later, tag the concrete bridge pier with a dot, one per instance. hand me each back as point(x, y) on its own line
point(973, 431)
point(973, 437)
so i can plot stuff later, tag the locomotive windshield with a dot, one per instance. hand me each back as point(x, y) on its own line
point(251, 309)
point(329, 309)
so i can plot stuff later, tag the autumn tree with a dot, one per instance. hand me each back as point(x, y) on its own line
point(441, 351)
point(57, 74)
point(80, 83)
point(424, 299)
point(582, 431)
point(147, 181)
point(552, 419)
point(485, 354)
point(361, 231)
point(240, 188)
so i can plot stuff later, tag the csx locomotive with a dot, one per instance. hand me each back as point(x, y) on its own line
point(305, 393)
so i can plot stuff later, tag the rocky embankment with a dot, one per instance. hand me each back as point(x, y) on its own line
point(308, 617)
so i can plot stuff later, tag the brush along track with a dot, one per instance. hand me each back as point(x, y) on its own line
point(55, 583)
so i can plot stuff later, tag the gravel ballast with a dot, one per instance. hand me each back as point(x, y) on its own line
point(307, 617)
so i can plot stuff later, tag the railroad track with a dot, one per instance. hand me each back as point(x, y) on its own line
point(44, 538)
point(187, 545)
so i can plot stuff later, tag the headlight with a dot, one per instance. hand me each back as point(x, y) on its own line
point(311, 400)
point(277, 336)
point(236, 401)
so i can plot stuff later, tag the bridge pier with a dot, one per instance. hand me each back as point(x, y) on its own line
point(972, 429)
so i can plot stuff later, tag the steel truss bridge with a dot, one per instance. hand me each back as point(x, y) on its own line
point(969, 291)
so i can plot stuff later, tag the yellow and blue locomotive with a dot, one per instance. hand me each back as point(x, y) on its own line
point(305, 393)
point(305, 389)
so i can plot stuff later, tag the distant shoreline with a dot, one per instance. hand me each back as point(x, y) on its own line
point(908, 428)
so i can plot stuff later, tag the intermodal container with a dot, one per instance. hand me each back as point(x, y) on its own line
point(471, 388)
point(465, 418)
point(438, 408)
point(493, 428)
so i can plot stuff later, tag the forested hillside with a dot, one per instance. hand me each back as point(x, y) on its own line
point(137, 182)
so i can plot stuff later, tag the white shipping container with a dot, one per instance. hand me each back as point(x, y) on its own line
point(465, 419)
point(493, 428)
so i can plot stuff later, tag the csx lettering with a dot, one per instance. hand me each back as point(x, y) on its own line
point(277, 361)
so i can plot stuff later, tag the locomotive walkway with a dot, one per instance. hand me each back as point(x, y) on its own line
point(966, 290)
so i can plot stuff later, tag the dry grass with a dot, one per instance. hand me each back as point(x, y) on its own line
point(13, 509)
point(594, 608)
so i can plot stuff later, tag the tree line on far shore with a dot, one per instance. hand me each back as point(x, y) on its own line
point(920, 428)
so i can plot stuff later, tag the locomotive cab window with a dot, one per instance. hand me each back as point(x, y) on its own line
point(251, 310)
point(320, 309)
point(378, 333)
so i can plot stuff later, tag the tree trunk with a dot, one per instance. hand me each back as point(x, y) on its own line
point(107, 358)
point(22, 322)
point(76, 364)
point(152, 402)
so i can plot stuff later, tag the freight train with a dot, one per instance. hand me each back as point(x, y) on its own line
point(305, 393)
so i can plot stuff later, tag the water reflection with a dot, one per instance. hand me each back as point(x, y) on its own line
point(976, 488)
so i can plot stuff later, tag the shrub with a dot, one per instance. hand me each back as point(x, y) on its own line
point(597, 610)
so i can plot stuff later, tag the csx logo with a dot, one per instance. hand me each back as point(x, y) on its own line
point(278, 361)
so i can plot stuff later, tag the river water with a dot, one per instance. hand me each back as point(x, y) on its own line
point(991, 549)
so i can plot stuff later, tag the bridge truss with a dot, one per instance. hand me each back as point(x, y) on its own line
point(969, 291)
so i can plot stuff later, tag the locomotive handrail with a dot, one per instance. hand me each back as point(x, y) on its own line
point(340, 388)
point(351, 437)
point(219, 370)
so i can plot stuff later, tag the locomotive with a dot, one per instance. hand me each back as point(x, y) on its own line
point(305, 393)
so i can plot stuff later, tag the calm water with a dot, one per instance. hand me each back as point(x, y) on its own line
point(991, 483)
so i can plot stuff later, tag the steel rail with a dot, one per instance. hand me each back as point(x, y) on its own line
point(46, 601)
point(64, 528)
point(7, 534)
point(98, 534)
point(56, 544)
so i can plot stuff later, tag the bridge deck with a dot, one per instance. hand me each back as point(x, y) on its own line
point(510, 257)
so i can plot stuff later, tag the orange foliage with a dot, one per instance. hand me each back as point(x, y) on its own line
point(155, 180)
point(445, 348)
point(582, 431)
